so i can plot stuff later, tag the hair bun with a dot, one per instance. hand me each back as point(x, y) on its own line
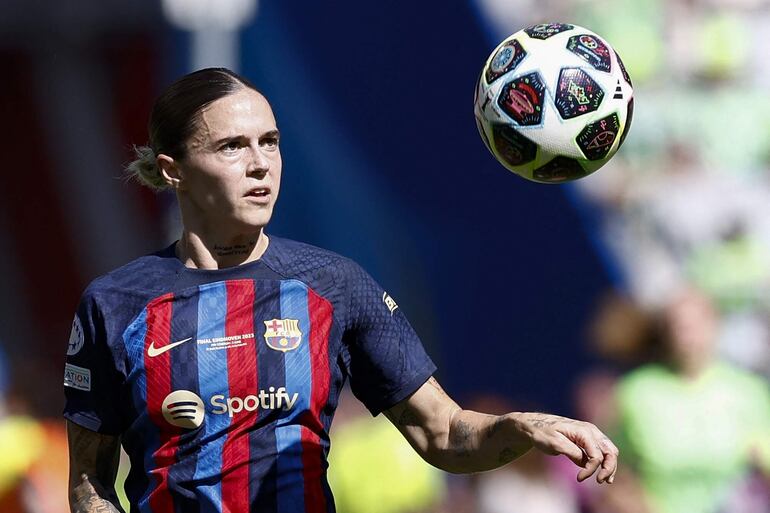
point(145, 169)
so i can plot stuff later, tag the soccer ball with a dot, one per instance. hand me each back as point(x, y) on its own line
point(553, 102)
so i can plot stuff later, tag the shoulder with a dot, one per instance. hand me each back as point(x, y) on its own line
point(649, 373)
point(338, 279)
point(138, 278)
point(293, 259)
point(742, 381)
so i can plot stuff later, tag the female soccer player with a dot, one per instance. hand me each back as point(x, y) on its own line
point(217, 362)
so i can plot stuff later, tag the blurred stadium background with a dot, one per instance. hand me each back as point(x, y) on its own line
point(527, 296)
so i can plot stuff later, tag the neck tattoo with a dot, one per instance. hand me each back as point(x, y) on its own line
point(235, 249)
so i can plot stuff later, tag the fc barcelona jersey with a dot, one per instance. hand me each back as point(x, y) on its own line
point(222, 383)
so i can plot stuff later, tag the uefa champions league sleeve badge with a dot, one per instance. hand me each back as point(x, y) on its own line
point(76, 337)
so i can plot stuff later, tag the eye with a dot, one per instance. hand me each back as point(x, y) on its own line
point(270, 141)
point(230, 146)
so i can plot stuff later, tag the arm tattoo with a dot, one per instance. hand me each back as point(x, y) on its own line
point(496, 427)
point(92, 503)
point(541, 422)
point(460, 438)
point(402, 415)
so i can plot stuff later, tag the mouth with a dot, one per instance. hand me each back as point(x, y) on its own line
point(261, 194)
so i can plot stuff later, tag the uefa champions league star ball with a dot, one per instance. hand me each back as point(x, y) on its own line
point(553, 102)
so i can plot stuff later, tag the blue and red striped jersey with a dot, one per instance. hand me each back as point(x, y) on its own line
point(223, 383)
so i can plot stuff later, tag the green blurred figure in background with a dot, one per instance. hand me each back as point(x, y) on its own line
point(691, 428)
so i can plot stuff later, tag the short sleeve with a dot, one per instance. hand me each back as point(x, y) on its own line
point(387, 361)
point(92, 383)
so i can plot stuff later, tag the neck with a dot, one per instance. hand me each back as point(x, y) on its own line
point(198, 251)
point(693, 369)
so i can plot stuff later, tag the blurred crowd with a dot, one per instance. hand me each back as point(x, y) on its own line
point(693, 430)
point(687, 201)
point(682, 215)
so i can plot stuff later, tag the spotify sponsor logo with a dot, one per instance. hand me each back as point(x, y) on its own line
point(185, 409)
point(270, 399)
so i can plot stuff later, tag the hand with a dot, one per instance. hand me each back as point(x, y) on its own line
point(581, 442)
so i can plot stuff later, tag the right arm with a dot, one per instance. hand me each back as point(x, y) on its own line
point(464, 441)
point(93, 467)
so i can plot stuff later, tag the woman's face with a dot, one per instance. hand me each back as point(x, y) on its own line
point(231, 175)
point(692, 329)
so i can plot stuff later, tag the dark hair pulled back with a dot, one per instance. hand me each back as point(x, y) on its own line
point(174, 115)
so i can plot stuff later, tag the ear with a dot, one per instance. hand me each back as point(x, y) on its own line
point(170, 171)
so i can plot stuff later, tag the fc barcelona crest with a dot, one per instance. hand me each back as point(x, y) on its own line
point(283, 334)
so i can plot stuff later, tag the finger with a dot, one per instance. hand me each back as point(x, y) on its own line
point(594, 459)
point(609, 458)
point(610, 461)
point(605, 467)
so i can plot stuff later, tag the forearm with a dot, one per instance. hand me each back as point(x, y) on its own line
point(477, 442)
point(461, 441)
point(457, 440)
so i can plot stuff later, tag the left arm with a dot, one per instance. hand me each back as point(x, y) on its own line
point(462, 441)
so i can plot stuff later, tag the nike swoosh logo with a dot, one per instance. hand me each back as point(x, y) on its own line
point(153, 351)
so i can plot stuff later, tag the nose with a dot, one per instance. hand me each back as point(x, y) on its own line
point(259, 164)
